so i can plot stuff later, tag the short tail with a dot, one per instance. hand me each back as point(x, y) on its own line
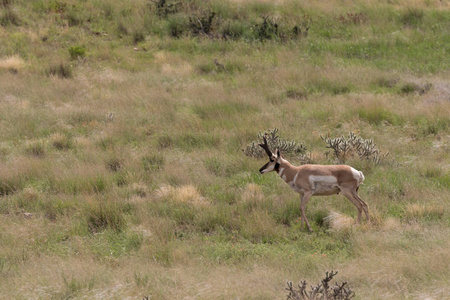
point(361, 178)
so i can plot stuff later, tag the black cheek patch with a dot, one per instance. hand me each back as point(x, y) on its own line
point(277, 167)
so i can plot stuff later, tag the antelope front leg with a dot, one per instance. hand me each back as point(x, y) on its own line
point(304, 200)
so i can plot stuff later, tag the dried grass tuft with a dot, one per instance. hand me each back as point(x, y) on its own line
point(12, 63)
point(421, 211)
point(339, 222)
point(183, 194)
point(252, 193)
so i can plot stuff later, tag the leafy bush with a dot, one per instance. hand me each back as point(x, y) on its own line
point(76, 52)
point(267, 30)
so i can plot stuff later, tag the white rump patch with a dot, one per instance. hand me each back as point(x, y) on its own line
point(358, 175)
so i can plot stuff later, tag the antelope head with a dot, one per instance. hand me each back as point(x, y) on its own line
point(274, 160)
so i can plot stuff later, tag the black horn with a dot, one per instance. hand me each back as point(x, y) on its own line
point(266, 147)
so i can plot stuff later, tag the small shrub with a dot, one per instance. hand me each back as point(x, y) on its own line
point(302, 29)
point(267, 29)
point(321, 291)
point(165, 7)
point(56, 6)
point(77, 52)
point(202, 24)
point(165, 142)
point(60, 70)
point(274, 142)
point(273, 29)
point(344, 148)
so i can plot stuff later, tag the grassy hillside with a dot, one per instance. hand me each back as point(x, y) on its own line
point(122, 125)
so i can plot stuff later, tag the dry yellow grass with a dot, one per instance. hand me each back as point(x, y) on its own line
point(339, 222)
point(12, 63)
point(183, 194)
point(209, 231)
point(252, 193)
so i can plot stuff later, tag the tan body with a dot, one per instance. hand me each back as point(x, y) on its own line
point(318, 180)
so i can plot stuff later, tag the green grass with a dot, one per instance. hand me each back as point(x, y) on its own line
point(121, 165)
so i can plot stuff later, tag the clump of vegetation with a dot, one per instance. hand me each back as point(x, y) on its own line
point(114, 164)
point(165, 8)
point(153, 162)
point(345, 148)
point(323, 290)
point(36, 149)
point(386, 82)
point(267, 29)
point(77, 52)
point(409, 88)
point(275, 142)
point(60, 70)
point(61, 141)
point(272, 29)
point(202, 24)
point(101, 215)
point(9, 17)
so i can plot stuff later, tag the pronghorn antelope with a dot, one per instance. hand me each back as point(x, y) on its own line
point(317, 180)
